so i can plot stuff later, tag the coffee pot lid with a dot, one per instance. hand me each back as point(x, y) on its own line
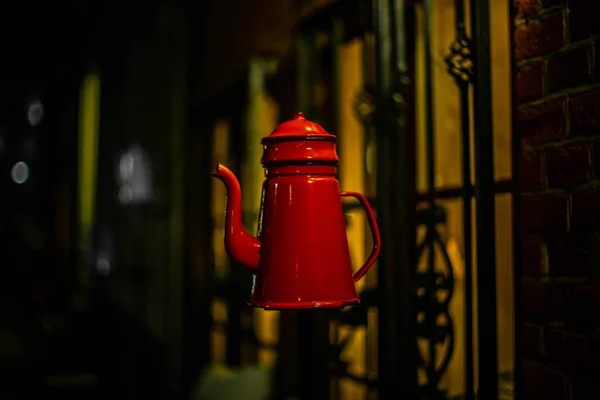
point(299, 128)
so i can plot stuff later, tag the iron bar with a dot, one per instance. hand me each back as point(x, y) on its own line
point(516, 245)
point(485, 202)
point(395, 176)
point(468, 242)
point(430, 322)
point(500, 186)
point(305, 89)
point(313, 328)
point(337, 35)
point(305, 336)
point(434, 282)
point(465, 126)
point(429, 130)
point(387, 362)
point(364, 111)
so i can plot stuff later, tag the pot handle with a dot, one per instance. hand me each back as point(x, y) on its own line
point(374, 232)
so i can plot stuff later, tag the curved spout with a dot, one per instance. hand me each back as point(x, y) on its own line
point(242, 247)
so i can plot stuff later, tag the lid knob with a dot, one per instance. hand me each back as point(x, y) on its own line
point(299, 128)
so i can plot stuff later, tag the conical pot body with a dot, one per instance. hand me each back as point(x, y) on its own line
point(304, 257)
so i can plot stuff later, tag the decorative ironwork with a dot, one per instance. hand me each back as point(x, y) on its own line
point(364, 106)
point(434, 323)
point(460, 64)
point(354, 318)
point(399, 107)
point(390, 91)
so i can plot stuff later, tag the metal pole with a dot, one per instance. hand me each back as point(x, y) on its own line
point(485, 202)
point(395, 203)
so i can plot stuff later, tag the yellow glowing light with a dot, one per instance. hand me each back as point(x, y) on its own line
point(89, 124)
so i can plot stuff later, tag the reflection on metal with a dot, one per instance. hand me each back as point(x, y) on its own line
point(399, 106)
point(434, 293)
point(459, 60)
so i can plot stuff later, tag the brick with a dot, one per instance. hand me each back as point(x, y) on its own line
point(544, 214)
point(533, 301)
point(541, 124)
point(566, 258)
point(533, 340)
point(529, 83)
point(569, 350)
point(532, 260)
point(569, 69)
point(568, 166)
point(530, 172)
point(584, 305)
point(543, 382)
point(543, 301)
point(539, 37)
point(526, 8)
point(585, 212)
point(585, 113)
point(554, 302)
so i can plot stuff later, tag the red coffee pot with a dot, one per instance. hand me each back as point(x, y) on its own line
point(300, 257)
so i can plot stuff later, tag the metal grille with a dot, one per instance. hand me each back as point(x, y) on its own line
point(404, 319)
point(413, 303)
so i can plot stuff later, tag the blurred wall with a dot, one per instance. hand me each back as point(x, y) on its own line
point(237, 30)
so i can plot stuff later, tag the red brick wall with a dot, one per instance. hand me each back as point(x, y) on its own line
point(558, 126)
